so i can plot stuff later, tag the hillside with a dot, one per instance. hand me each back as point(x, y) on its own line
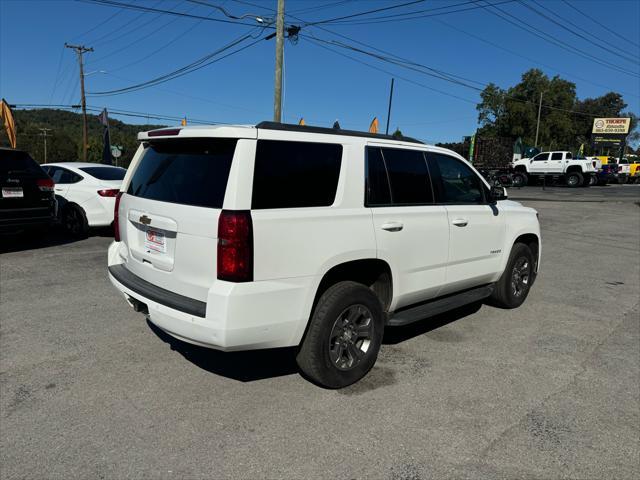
point(64, 141)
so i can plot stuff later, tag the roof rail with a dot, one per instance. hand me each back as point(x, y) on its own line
point(288, 127)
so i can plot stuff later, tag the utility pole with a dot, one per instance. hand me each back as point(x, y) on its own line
point(81, 49)
point(389, 111)
point(538, 124)
point(277, 98)
point(44, 136)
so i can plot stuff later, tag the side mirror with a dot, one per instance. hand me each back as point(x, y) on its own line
point(497, 193)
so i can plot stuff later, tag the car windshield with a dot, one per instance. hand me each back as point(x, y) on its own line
point(17, 161)
point(105, 173)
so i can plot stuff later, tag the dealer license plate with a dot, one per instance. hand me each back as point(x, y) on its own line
point(155, 241)
point(12, 192)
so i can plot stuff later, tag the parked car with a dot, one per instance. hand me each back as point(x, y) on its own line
point(237, 237)
point(559, 164)
point(86, 193)
point(607, 174)
point(27, 200)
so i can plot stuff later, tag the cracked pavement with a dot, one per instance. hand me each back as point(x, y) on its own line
point(88, 389)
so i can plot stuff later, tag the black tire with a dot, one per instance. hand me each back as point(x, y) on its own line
point(323, 341)
point(519, 179)
point(593, 181)
point(574, 179)
point(514, 284)
point(75, 221)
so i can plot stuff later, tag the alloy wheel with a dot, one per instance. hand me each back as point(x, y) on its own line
point(520, 276)
point(351, 337)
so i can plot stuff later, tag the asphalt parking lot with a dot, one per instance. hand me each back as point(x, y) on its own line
point(88, 389)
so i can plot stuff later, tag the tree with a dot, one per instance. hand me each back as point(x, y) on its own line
point(513, 112)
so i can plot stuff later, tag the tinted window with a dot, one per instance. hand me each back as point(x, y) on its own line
point(557, 156)
point(105, 173)
point(295, 174)
point(63, 176)
point(569, 156)
point(189, 171)
point(378, 192)
point(541, 156)
point(457, 182)
point(15, 161)
point(408, 177)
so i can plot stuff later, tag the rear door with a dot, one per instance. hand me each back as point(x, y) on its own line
point(412, 233)
point(556, 162)
point(476, 229)
point(168, 217)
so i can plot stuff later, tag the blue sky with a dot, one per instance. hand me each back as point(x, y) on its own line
point(320, 85)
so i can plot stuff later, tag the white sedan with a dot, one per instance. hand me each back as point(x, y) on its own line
point(86, 193)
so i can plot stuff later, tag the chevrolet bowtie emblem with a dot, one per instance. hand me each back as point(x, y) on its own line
point(145, 220)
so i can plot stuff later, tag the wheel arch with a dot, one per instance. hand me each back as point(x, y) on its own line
point(531, 240)
point(574, 169)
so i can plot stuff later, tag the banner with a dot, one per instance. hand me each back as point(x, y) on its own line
point(9, 124)
point(106, 145)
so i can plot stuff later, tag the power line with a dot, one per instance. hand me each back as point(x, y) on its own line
point(192, 67)
point(600, 24)
point(99, 25)
point(498, 12)
point(258, 18)
point(322, 7)
point(113, 3)
point(574, 32)
point(329, 20)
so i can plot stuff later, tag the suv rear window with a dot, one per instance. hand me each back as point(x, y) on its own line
point(15, 161)
point(105, 173)
point(295, 174)
point(187, 171)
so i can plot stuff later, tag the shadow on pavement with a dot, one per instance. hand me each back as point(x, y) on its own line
point(245, 366)
point(33, 240)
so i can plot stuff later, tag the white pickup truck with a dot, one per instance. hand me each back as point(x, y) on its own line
point(559, 164)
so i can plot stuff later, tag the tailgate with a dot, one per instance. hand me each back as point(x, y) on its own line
point(168, 217)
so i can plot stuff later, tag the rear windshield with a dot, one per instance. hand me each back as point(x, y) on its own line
point(15, 161)
point(105, 173)
point(189, 171)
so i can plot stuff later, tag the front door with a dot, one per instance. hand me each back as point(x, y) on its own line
point(476, 228)
point(539, 163)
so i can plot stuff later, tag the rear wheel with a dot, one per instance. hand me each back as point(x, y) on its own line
point(593, 180)
point(75, 221)
point(514, 284)
point(519, 179)
point(574, 179)
point(344, 336)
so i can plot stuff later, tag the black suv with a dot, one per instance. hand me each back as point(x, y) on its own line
point(27, 198)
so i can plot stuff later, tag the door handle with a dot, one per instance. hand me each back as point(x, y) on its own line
point(460, 222)
point(392, 226)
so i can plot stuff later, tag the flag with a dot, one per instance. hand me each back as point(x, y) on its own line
point(301, 122)
point(581, 151)
point(9, 124)
point(373, 128)
point(336, 125)
point(184, 122)
point(472, 145)
point(106, 146)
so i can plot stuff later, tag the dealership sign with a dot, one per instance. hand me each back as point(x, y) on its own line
point(608, 126)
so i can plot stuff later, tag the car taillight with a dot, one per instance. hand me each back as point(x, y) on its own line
point(109, 192)
point(594, 164)
point(235, 246)
point(116, 223)
point(45, 184)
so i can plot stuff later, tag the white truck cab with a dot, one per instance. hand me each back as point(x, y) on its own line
point(236, 237)
point(560, 164)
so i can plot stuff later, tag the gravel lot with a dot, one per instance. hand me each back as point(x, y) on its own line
point(88, 389)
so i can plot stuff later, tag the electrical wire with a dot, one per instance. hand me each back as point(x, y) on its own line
point(600, 24)
point(360, 14)
point(192, 67)
point(321, 7)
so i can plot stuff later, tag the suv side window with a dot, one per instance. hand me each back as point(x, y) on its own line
point(408, 177)
point(378, 190)
point(456, 182)
point(541, 157)
point(295, 174)
point(556, 156)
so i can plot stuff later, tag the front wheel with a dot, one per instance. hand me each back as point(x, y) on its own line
point(574, 179)
point(344, 336)
point(514, 284)
point(519, 179)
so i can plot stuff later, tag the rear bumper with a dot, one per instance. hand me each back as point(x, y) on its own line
point(235, 316)
point(21, 219)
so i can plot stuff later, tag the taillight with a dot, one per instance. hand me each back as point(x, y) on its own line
point(110, 192)
point(235, 246)
point(594, 164)
point(45, 184)
point(116, 223)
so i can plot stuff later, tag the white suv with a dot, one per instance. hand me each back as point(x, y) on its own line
point(236, 237)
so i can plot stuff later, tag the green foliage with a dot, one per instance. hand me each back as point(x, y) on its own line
point(513, 112)
point(64, 141)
